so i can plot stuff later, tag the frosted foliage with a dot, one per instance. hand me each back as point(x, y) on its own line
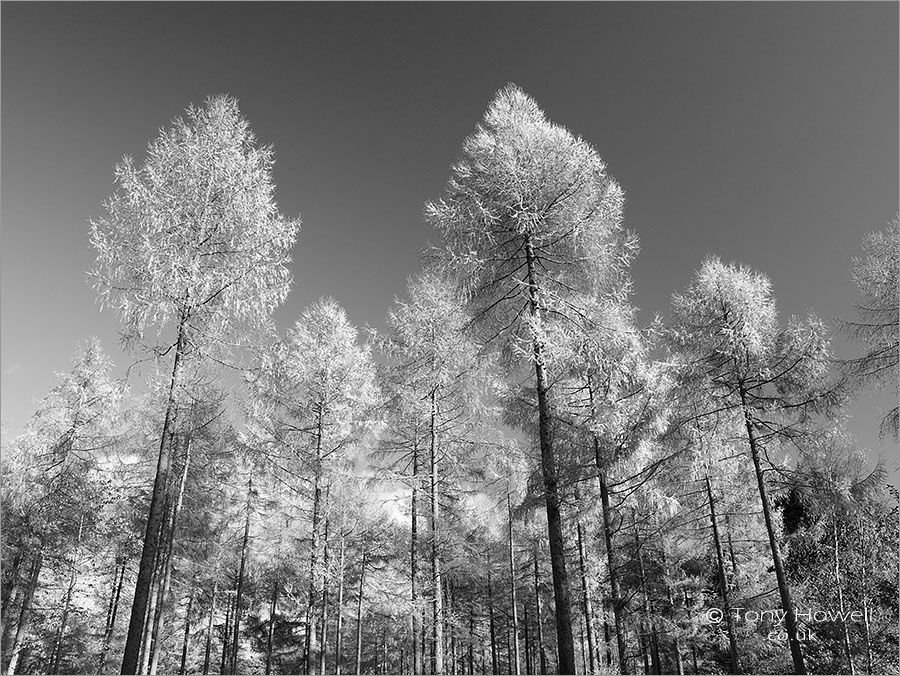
point(194, 234)
point(522, 178)
point(731, 309)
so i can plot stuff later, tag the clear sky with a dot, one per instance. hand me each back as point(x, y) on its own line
point(766, 133)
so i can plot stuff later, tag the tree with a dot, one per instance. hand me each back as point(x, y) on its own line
point(529, 215)
point(878, 326)
point(191, 241)
point(773, 378)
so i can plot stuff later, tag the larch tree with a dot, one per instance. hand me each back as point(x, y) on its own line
point(529, 216)
point(877, 328)
point(192, 242)
point(771, 377)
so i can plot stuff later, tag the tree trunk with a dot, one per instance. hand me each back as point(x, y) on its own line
point(676, 644)
point(845, 635)
point(514, 667)
point(586, 601)
point(648, 615)
point(73, 579)
point(359, 603)
point(271, 631)
point(339, 629)
point(528, 661)
point(413, 565)
point(323, 626)
point(564, 639)
point(540, 625)
point(170, 548)
point(471, 638)
point(438, 612)
point(154, 518)
point(185, 646)
point(723, 583)
point(25, 612)
point(235, 643)
point(495, 669)
point(615, 597)
point(151, 610)
point(209, 627)
point(311, 639)
point(225, 635)
point(11, 591)
point(118, 581)
point(790, 620)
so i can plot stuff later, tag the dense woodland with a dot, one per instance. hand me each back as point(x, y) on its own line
point(513, 476)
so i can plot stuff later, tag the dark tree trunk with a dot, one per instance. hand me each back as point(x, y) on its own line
point(839, 583)
point(311, 639)
point(130, 657)
point(648, 614)
point(615, 597)
point(323, 626)
point(111, 614)
point(495, 667)
point(676, 644)
point(359, 604)
point(528, 661)
point(723, 583)
point(586, 608)
point(225, 636)
point(25, 612)
point(339, 628)
point(564, 638)
point(273, 606)
point(235, 643)
point(790, 620)
point(209, 627)
point(514, 666)
point(185, 646)
point(542, 654)
point(70, 590)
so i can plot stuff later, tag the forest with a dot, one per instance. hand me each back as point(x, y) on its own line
point(513, 476)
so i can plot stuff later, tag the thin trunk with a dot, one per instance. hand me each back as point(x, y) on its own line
point(494, 666)
point(471, 639)
point(615, 597)
point(648, 616)
point(540, 624)
point(273, 606)
point(25, 612)
point(225, 635)
point(676, 644)
point(438, 612)
point(845, 635)
point(209, 627)
point(185, 646)
point(311, 639)
point(586, 601)
point(723, 583)
point(151, 609)
point(694, 658)
point(528, 661)
point(167, 569)
point(413, 565)
point(564, 639)
point(359, 604)
point(111, 614)
point(512, 592)
point(12, 590)
point(235, 643)
point(154, 518)
point(730, 549)
point(73, 578)
point(339, 629)
point(790, 620)
point(324, 623)
point(584, 657)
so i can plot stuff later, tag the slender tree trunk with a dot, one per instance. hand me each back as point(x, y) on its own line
point(615, 596)
point(734, 569)
point(648, 615)
point(209, 627)
point(225, 636)
point(542, 654)
point(154, 518)
point(514, 667)
point(270, 634)
point(471, 638)
point(170, 548)
point(118, 581)
point(694, 658)
point(185, 646)
point(790, 620)
point(359, 604)
point(339, 628)
point(723, 583)
point(528, 660)
point(311, 639)
point(586, 601)
point(12, 589)
point(323, 626)
point(413, 565)
point(73, 579)
point(676, 644)
point(845, 635)
point(151, 610)
point(583, 644)
point(564, 639)
point(495, 668)
point(25, 612)
point(235, 643)
point(438, 612)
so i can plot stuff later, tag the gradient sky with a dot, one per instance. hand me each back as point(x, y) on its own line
point(766, 133)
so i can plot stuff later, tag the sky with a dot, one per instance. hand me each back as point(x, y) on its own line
point(765, 133)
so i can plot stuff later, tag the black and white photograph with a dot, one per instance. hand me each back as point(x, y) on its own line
point(449, 337)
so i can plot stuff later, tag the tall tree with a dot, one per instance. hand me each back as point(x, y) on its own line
point(192, 240)
point(529, 215)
